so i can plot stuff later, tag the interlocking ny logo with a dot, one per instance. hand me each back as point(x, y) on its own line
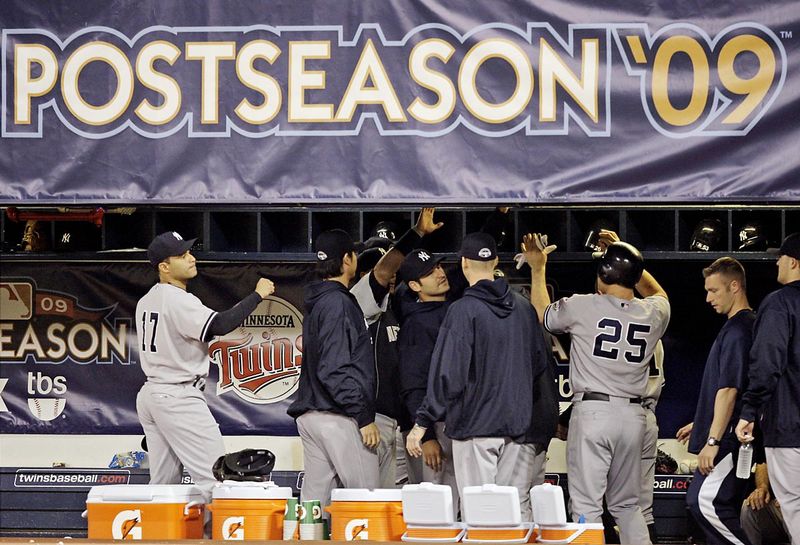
point(424, 256)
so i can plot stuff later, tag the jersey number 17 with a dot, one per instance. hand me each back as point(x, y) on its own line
point(149, 319)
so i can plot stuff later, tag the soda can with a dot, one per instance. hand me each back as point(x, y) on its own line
point(291, 524)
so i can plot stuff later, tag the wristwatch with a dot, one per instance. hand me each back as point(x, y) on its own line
point(712, 441)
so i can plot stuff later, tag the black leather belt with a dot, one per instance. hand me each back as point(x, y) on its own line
point(597, 396)
point(198, 382)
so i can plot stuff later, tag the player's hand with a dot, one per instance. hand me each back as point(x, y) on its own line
point(562, 432)
point(535, 250)
point(265, 287)
point(425, 224)
point(432, 454)
point(705, 460)
point(759, 498)
point(413, 441)
point(744, 431)
point(606, 238)
point(684, 433)
point(370, 435)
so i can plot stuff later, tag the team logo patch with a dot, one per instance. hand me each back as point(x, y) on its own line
point(260, 361)
point(423, 256)
point(322, 256)
point(484, 253)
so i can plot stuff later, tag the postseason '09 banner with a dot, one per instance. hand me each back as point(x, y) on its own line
point(399, 101)
point(69, 360)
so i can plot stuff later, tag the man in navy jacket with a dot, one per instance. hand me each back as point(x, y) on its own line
point(335, 404)
point(773, 393)
point(489, 352)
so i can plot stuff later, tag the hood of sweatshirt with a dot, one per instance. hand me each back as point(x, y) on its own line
point(496, 295)
point(316, 291)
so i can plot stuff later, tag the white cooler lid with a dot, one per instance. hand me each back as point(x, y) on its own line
point(428, 504)
point(140, 493)
point(237, 490)
point(491, 505)
point(365, 494)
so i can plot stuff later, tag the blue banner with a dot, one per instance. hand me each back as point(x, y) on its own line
point(69, 360)
point(441, 101)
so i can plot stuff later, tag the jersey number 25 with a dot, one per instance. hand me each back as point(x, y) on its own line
point(612, 334)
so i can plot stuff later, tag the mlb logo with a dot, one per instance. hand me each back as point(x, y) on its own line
point(16, 301)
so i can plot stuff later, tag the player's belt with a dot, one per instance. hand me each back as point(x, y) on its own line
point(198, 382)
point(597, 396)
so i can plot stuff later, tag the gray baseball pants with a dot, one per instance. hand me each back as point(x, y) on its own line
point(418, 472)
point(334, 456)
point(529, 474)
point(387, 451)
point(784, 475)
point(604, 450)
point(487, 460)
point(649, 451)
point(181, 433)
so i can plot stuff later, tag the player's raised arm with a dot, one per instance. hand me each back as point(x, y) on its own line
point(534, 252)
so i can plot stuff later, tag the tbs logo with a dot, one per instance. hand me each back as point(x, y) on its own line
point(46, 408)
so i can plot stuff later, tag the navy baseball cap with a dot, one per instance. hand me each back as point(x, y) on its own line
point(790, 246)
point(333, 244)
point(417, 264)
point(369, 258)
point(374, 242)
point(478, 247)
point(166, 245)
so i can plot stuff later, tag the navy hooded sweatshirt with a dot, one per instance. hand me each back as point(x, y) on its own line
point(774, 378)
point(487, 357)
point(338, 373)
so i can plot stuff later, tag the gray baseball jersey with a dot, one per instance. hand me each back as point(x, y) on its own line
point(170, 325)
point(612, 340)
point(181, 431)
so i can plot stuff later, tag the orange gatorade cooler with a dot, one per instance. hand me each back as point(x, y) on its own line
point(572, 532)
point(428, 514)
point(361, 514)
point(492, 514)
point(248, 511)
point(144, 511)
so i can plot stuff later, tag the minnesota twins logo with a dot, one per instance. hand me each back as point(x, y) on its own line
point(260, 361)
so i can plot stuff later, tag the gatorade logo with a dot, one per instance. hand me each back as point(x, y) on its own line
point(357, 530)
point(127, 525)
point(233, 529)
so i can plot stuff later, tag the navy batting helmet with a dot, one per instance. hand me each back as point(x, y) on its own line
point(706, 236)
point(753, 237)
point(620, 264)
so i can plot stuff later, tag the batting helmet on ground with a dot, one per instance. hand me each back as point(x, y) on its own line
point(244, 465)
point(620, 264)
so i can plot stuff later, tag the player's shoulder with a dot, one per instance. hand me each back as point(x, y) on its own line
point(577, 300)
point(741, 323)
point(658, 302)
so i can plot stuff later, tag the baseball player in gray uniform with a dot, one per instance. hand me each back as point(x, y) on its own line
point(655, 383)
point(614, 335)
point(173, 328)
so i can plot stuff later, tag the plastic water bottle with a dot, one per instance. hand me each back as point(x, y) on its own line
point(745, 463)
